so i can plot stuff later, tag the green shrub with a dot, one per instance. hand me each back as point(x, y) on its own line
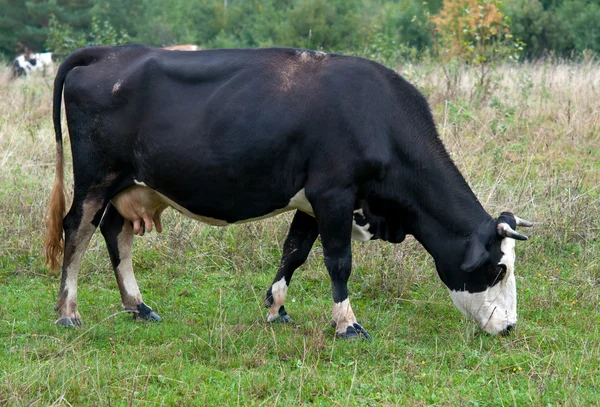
point(63, 39)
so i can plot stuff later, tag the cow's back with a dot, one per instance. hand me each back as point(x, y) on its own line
point(254, 124)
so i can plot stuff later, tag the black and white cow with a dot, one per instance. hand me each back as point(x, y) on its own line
point(27, 63)
point(231, 136)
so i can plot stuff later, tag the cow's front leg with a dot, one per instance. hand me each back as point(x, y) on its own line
point(302, 235)
point(334, 213)
point(79, 226)
point(118, 233)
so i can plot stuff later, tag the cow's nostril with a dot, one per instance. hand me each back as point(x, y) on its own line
point(507, 330)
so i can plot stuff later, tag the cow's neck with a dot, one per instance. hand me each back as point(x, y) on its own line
point(443, 207)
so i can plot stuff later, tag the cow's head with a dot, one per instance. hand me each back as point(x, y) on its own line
point(484, 286)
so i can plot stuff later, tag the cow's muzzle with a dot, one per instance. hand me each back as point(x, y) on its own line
point(506, 331)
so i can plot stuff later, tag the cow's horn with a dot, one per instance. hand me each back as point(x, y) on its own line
point(506, 231)
point(523, 222)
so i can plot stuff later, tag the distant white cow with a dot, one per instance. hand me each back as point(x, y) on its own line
point(26, 63)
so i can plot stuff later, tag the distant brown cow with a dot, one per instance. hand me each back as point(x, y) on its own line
point(187, 47)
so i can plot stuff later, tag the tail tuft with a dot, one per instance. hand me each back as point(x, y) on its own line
point(56, 212)
point(54, 246)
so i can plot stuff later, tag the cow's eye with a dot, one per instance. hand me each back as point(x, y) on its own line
point(496, 273)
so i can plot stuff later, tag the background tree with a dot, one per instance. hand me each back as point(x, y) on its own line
point(530, 23)
point(385, 29)
point(578, 26)
point(25, 23)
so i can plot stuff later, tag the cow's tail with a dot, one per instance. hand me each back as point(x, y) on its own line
point(57, 206)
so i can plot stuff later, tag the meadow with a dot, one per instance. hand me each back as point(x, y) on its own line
point(527, 141)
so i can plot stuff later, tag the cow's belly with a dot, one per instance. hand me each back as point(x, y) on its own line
point(142, 205)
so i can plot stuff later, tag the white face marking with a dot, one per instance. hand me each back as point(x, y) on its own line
point(343, 316)
point(495, 308)
point(279, 291)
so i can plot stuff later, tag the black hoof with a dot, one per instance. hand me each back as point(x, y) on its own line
point(353, 332)
point(70, 322)
point(283, 317)
point(149, 317)
point(145, 313)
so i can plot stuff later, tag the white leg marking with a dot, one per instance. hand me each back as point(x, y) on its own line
point(279, 291)
point(67, 306)
point(343, 316)
point(130, 292)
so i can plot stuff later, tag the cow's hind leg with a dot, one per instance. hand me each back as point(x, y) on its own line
point(79, 226)
point(302, 235)
point(334, 214)
point(118, 234)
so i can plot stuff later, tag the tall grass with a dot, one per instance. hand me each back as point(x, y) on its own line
point(529, 143)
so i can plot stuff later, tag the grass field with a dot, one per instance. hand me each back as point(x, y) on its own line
point(530, 145)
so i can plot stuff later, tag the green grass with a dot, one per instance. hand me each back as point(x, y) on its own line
point(518, 149)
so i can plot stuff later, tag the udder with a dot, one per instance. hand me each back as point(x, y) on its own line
point(142, 206)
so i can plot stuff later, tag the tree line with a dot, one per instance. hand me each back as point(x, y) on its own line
point(387, 28)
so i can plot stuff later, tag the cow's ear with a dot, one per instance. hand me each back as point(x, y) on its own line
point(476, 255)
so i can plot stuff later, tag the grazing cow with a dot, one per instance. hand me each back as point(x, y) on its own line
point(187, 47)
point(29, 62)
point(232, 136)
